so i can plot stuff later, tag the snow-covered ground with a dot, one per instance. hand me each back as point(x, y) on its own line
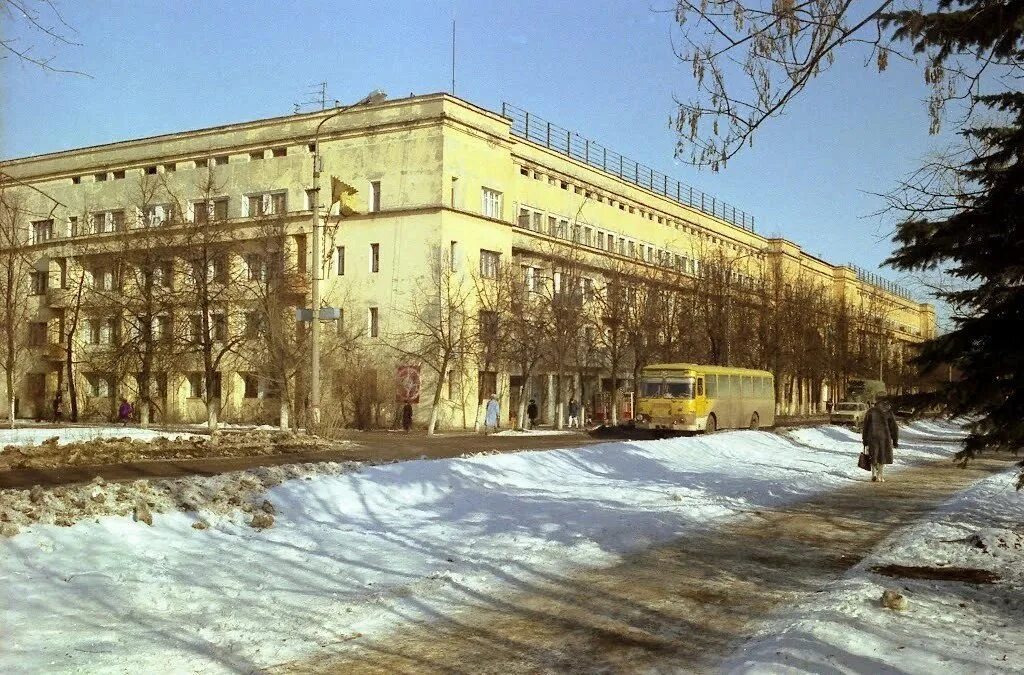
point(35, 435)
point(535, 432)
point(947, 627)
point(367, 551)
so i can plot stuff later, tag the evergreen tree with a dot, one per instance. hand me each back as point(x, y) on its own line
point(982, 242)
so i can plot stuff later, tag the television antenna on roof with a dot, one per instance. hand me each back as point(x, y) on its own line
point(316, 98)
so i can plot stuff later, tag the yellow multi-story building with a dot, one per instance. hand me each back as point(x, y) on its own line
point(429, 173)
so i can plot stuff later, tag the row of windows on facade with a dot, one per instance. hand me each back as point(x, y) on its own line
point(108, 330)
point(155, 215)
point(592, 237)
point(253, 385)
point(257, 267)
point(651, 215)
point(199, 163)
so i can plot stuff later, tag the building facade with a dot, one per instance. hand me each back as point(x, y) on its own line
point(114, 238)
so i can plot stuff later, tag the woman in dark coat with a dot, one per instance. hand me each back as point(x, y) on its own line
point(880, 436)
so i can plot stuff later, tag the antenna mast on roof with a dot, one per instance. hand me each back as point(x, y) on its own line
point(453, 57)
point(316, 96)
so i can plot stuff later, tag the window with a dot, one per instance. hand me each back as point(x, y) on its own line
point(150, 170)
point(489, 261)
point(102, 278)
point(252, 385)
point(73, 226)
point(220, 160)
point(220, 326)
point(99, 386)
point(37, 333)
point(156, 215)
point(535, 222)
point(76, 180)
point(553, 226)
point(195, 328)
point(202, 163)
point(205, 210)
point(490, 203)
point(341, 261)
point(524, 218)
point(256, 155)
point(600, 240)
point(40, 282)
point(195, 385)
point(375, 257)
point(162, 274)
point(530, 277)
point(41, 230)
point(279, 152)
point(374, 196)
point(488, 326)
point(266, 204)
point(310, 195)
point(101, 177)
point(170, 167)
point(252, 324)
point(374, 322)
point(161, 328)
point(256, 267)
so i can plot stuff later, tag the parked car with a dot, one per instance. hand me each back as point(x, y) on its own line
point(848, 413)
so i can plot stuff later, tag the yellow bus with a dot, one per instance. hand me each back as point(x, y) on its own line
point(692, 397)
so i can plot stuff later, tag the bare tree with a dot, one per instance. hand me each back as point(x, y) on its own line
point(35, 22)
point(213, 281)
point(441, 329)
point(276, 287)
point(749, 60)
point(15, 287)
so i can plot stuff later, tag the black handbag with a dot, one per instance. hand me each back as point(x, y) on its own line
point(864, 462)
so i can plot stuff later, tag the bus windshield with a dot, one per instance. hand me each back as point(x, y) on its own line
point(679, 388)
point(651, 388)
point(670, 388)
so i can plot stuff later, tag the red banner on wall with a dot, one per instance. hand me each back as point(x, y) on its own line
point(408, 384)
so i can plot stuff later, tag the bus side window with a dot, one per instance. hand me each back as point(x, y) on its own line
point(748, 386)
point(700, 386)
point(712, 386)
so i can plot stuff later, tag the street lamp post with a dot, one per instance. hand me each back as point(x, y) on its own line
point(316, 268)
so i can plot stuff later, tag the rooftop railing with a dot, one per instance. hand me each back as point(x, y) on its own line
point(533, 128)
point(881, 282)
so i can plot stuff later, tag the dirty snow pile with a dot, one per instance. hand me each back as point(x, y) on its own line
point(61, 447)
point(37, 435)
point(232, 495)
point(367, 552)
point(968, 625)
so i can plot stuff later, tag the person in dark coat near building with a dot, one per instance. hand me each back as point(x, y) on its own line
point(531, 412)
point(407, 416)
point(58, 403)
point(880, 436)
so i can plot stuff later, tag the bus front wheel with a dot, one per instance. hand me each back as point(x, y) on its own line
point(755, 421)
point(711, 426)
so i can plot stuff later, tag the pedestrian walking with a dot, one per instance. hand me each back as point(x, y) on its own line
point(125, 411)
point(58, 403)
point(407, 417)
point(880, 435)
point(491, 414)
point(574, 413)
point(531, 412)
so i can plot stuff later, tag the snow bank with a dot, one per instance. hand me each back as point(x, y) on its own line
point(369, 551)
point(35, 435)
point(948, 626)
point(535, 432)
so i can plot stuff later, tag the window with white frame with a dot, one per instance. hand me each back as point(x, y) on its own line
point(99, 385)
point(341, 260)
point(265, 204)
point(156, 215)
point(41, 230)
point(374, 258)
point(489, 263)
point(490, 203)
point(207, 210)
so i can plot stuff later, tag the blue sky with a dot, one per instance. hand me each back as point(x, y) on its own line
point(603, 68)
